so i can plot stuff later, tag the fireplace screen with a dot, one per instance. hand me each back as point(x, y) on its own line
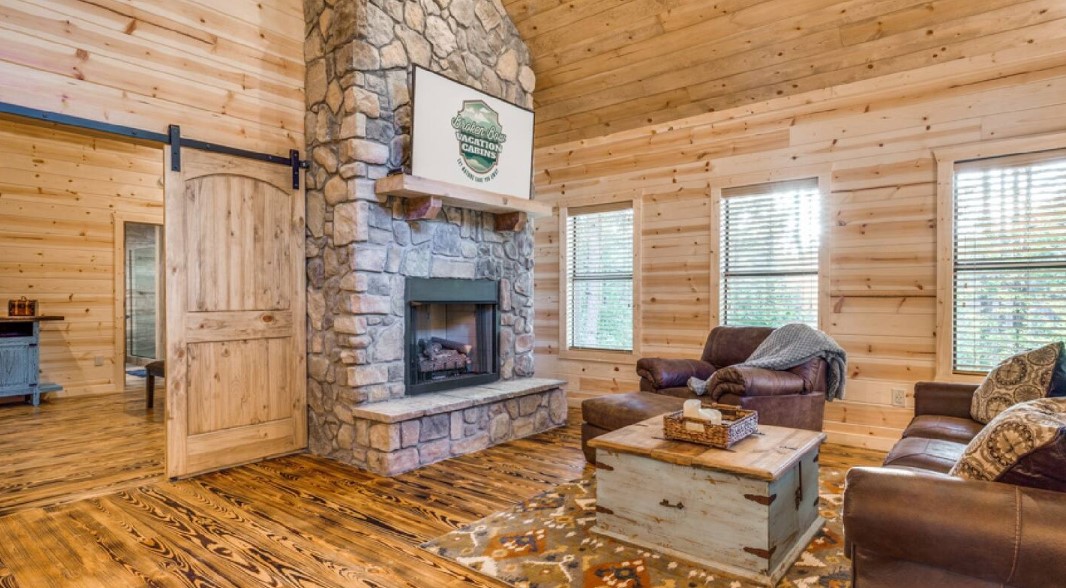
point(451, 334)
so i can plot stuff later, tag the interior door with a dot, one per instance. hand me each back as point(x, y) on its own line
point(236, 388)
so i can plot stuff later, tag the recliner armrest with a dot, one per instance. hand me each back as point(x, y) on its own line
point(943, 398)
point(752, 381)
point(998, 532)
point(671, 373)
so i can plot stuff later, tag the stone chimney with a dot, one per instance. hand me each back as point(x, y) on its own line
point(359, 248)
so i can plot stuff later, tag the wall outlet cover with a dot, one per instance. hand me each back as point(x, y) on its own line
point(899, 397)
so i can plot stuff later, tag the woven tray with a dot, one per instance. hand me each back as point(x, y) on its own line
point(737, 423)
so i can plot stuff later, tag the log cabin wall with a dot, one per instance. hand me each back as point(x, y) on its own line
point(228, 72)
point(610, 65)
point(873, 141)
point(60, 193)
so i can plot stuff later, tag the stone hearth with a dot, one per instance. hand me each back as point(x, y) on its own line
point(361, 249)
point(411, 432)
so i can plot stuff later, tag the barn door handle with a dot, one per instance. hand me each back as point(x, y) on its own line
point(678, 506)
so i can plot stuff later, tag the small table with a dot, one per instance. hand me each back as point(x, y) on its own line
point(748, 511)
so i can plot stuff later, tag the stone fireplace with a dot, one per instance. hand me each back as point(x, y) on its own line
point(362, 251)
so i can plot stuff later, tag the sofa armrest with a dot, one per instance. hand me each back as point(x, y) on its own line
point(752, 381)
point(997, 532)
point(943, 398)
point(671, 373)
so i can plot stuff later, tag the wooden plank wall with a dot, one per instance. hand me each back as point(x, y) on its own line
point(59, 192)
point(875, 139)
point(230, 72)
point(610, 65)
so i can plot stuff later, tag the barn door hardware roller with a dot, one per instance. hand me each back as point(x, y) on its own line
point(172, 137)
point(177, 141)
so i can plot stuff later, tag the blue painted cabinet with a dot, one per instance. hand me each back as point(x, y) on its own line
point(20, 358)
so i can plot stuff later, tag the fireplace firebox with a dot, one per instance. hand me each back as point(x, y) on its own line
point(451, 328)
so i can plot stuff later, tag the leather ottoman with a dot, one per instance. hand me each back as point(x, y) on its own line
point(604, 414)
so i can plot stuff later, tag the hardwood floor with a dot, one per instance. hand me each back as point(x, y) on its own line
point(293, 521)
point(71, 448)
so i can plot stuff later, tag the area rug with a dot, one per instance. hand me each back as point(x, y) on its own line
point(544, 542)
point(138, 372)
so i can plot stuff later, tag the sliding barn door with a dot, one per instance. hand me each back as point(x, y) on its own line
point(236, 388)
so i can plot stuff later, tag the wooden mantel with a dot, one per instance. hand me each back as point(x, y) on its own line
point(425, 198)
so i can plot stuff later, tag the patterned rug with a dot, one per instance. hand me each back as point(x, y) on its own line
point(545, 542)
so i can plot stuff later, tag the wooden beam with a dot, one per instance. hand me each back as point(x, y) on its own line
point(408, 186)
point(510, 221)
point(423, 208)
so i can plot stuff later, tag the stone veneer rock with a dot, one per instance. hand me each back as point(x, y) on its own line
point(360, 250)
point(402, 435)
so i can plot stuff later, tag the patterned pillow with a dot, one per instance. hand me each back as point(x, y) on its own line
point(1011, 447)
point(1026, 376)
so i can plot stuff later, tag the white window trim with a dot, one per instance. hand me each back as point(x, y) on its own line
point(823, 175)
point(607, 355)
point(946, 158)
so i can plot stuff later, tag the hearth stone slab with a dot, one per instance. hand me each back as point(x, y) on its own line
point(397, 436)
point(403, 409)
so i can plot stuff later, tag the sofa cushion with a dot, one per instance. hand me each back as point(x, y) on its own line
point(614, 411)
point(678, 392)
point(945, 428)
point(1024, 444)
point(1058, 380)
point(1026, 376)
point(935, 455)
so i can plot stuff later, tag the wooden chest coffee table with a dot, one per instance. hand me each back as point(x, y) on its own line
point(748, 511)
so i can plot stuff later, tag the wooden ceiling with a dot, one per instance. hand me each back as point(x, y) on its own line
point(609, 65)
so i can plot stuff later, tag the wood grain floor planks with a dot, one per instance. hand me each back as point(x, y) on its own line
point(295, 521)
point(75, 447)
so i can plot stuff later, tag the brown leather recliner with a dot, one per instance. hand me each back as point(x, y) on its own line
point(910, 524)
point(792, 398)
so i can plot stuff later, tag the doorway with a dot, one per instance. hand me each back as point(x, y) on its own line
point(67, 197)
point(139, 296)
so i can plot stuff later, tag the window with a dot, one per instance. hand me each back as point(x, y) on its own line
point(599, 278)
point(1009, 257)
point(769, 254)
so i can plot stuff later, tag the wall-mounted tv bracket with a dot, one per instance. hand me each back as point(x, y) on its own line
point(172, 137)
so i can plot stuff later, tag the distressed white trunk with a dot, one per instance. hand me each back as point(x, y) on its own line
point(737, 524)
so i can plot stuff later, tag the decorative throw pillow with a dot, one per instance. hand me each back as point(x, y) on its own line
point(1024, 377)
point(1013, 446)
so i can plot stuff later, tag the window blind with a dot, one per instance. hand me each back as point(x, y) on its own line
point(769, 254)
point(599, 278)
point(1009, 274)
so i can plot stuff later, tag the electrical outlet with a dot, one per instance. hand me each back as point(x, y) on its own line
point(899, 397)
point(98, 360)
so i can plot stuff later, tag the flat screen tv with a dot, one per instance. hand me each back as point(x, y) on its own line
point(463, 136)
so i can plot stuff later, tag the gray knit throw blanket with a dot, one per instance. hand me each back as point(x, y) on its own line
point(792, 345)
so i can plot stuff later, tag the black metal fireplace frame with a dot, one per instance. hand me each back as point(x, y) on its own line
point(451, 291)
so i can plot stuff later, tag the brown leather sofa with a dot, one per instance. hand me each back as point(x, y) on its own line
point(793, 398)
point(908, 523)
